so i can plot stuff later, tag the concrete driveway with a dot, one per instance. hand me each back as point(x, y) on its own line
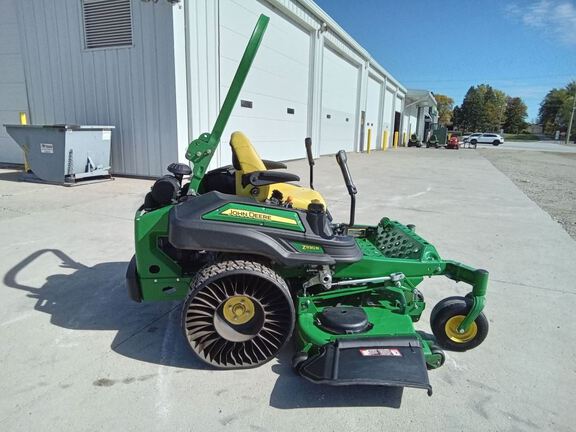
point(77, 355)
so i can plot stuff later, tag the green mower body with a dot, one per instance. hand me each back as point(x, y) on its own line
point(252, 273)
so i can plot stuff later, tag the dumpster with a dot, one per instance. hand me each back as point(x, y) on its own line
point(64, 154)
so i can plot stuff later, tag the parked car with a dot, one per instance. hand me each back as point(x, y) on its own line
point(453, 143)
point(485, 138)
point(467, 138)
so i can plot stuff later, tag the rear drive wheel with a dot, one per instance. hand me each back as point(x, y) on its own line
point(445, 319)
point(238, 314)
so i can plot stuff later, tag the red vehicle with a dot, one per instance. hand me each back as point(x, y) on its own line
point(453, 143)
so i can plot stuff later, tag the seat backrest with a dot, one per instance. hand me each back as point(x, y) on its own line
point(244, 155)
point(245, 159)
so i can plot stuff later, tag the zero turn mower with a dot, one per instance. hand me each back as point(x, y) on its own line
point(257, 259)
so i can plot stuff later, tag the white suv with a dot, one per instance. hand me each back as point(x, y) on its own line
point(485, 138)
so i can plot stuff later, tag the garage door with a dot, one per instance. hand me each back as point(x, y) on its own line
point(13, 98)
point(387, 121)
point(339, 103)
point(272, 107)
point(373, 113)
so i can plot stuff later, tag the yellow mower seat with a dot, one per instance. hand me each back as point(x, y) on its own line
point(247, 160)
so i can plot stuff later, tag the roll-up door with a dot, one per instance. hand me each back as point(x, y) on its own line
point(272, 109)
point(339, 103)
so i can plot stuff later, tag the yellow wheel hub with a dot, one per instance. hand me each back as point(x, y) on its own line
point(452, 332)
point(238, 310)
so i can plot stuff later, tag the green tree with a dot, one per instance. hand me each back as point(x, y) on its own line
point(494, 107)
point(483, 109)
point(556, 107)
point(445, 105)
point(457, 118)
point(515, 115)
point(472, 109)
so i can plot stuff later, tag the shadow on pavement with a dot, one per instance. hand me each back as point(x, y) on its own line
point(292, 391)
point(95, 298)
point(13, 176)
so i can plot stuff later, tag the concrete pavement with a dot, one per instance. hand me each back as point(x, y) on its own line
point(78, 355)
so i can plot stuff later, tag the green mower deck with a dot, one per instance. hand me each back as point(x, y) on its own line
point(255, 272)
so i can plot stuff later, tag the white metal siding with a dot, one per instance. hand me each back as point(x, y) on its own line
point(373, 113)
point(411, 119)
point(339, 103)
point(12, 83)
point(130, 88)
point(202, 75)
point(277, 81)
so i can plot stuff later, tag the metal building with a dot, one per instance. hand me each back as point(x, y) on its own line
point(420, 113)
point(159, 70)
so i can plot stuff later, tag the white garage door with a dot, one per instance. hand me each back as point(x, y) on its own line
point(399, 102)
point(373, 113)
point(388, 117)
point(339, 103)
point(272, 107)
point(13, 98)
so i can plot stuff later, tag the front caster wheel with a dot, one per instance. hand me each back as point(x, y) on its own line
point(447, 316)
point(238, 314)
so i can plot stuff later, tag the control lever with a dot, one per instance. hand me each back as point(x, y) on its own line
point(308, 143)
point(342, 160)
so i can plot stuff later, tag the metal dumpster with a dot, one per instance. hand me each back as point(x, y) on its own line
point(64, 154)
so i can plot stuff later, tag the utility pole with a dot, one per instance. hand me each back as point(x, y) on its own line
point(571, 120)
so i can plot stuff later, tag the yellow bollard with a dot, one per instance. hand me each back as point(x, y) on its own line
point(385, 140)
point(369, 140)
point(404, 139)
point(396, 139)
point(24, 121)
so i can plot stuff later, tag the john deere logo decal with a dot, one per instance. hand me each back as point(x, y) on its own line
point(249, 214)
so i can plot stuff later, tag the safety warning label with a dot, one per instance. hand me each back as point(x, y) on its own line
point(380, 352)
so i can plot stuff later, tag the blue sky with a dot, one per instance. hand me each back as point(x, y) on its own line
point(523, 47)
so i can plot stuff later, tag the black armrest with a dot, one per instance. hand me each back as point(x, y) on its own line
point(274, 165)
point(263, 178)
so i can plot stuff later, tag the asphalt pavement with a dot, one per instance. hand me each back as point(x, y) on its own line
point(78, 355)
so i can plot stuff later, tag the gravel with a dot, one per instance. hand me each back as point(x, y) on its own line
point(548, 178)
